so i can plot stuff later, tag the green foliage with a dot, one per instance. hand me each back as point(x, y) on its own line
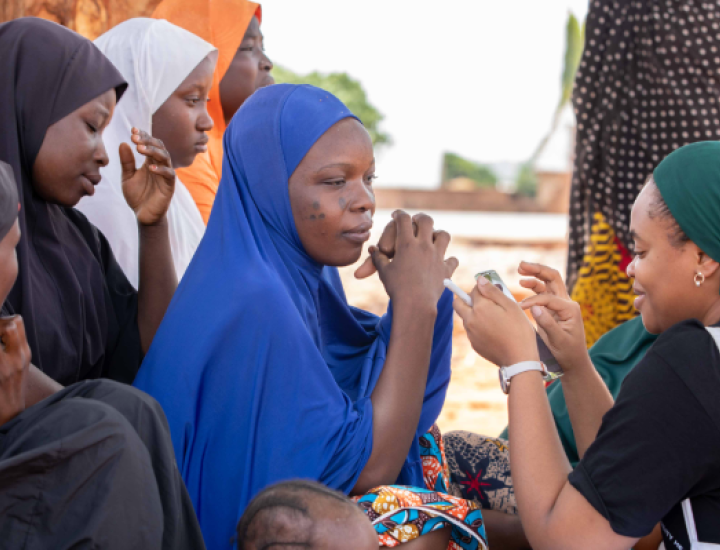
point(348, 90)
point(574, 43)
point(526, 181)
point(454, 166)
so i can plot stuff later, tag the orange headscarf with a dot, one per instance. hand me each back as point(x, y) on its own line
point(222, 23)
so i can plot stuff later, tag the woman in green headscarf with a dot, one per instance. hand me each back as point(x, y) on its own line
point(653, 455)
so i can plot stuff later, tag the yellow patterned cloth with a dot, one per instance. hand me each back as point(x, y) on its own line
point(603, 290)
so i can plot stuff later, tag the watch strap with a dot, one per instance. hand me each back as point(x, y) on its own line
point(523, 366)
point(506, 373)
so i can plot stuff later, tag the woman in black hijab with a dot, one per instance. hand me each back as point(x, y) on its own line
point(98, 471)
point(84, 320)
point(90, 466)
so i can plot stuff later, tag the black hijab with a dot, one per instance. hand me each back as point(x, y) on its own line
point(74, 306)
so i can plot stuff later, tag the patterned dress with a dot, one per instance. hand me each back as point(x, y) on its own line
point(402, 514)
point(648, 83)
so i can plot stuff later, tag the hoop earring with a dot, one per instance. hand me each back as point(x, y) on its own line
point(699, 279)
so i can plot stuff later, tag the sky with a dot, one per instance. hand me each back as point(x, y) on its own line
point(480, 78)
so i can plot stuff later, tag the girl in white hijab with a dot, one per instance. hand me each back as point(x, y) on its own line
point(169, 73)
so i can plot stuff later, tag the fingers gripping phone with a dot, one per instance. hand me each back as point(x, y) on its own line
point(552, 367)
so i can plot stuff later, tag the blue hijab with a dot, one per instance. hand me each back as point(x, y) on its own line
point(263, 369)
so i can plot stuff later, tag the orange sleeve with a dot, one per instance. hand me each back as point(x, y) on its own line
point(202, 182)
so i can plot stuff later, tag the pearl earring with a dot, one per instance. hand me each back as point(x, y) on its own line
point(699, 279)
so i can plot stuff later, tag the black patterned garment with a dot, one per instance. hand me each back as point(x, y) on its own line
point(480, 470)
point(648, 83)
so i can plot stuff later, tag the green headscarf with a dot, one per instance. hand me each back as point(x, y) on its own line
point(614, 356)
point(689, 182)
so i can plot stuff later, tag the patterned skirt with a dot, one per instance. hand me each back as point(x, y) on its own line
point(480, 470)
point(402, 514)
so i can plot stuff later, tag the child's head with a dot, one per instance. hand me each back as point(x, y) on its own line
point(304, 514)
point(9, 230)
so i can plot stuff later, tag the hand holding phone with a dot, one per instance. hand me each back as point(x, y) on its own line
point(559, 318)
point(546, 357)
point(552, 367)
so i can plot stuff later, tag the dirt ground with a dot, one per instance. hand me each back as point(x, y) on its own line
point(474, 401)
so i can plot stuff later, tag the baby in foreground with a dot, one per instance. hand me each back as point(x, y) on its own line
point(303, 514)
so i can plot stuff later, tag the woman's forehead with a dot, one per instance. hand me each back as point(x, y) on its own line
point(347, 141)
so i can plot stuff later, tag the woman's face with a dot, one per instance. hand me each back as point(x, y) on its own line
point(68, 164)
point(8, 260)
point(181, 122)
point(248, 71)
point(664, 271)
point(331, 194)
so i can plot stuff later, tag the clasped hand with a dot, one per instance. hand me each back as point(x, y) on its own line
point(149, 189)
point(499, 330)
point(14, 364)
point(410, 260)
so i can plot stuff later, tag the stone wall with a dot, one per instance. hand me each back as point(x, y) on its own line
point(90, 18)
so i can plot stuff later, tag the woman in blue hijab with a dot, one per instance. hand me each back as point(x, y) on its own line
point(264, 370)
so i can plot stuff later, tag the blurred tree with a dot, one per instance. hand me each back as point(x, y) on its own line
point(526, 181)
point(574, 44)
point(348, 90)
point(454, 166)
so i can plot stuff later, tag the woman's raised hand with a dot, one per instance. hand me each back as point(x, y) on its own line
point(545, 279)
point(413, 268)
point(558, 317)
point(386, 245)
point(149, 189)
point(14, 364)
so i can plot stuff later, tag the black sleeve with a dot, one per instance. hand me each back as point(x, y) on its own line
point(124, 352)
point(6, 309)
point(651, 449)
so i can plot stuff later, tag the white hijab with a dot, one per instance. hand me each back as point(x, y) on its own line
point(154, 57)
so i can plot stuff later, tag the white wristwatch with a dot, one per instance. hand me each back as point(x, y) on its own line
point(506, 373)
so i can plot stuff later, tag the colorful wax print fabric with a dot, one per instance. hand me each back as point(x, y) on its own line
point(401, 514)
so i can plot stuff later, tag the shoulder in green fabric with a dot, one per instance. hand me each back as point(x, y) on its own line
point(614, 356)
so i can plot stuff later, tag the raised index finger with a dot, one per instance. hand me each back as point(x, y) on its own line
point(564, 308)
point(551, 277)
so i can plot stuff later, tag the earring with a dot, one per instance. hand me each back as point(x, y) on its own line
point(699, 279)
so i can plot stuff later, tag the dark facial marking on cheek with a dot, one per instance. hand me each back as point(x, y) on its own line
point(316, 205)
point(342, 202)
point(313, 217)
point(321, 216)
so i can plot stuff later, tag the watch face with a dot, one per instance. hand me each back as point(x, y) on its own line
point(503, 380)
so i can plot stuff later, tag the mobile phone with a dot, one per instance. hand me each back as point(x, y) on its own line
point(552, 367)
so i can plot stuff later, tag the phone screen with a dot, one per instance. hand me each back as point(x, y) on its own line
point(546, 357)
